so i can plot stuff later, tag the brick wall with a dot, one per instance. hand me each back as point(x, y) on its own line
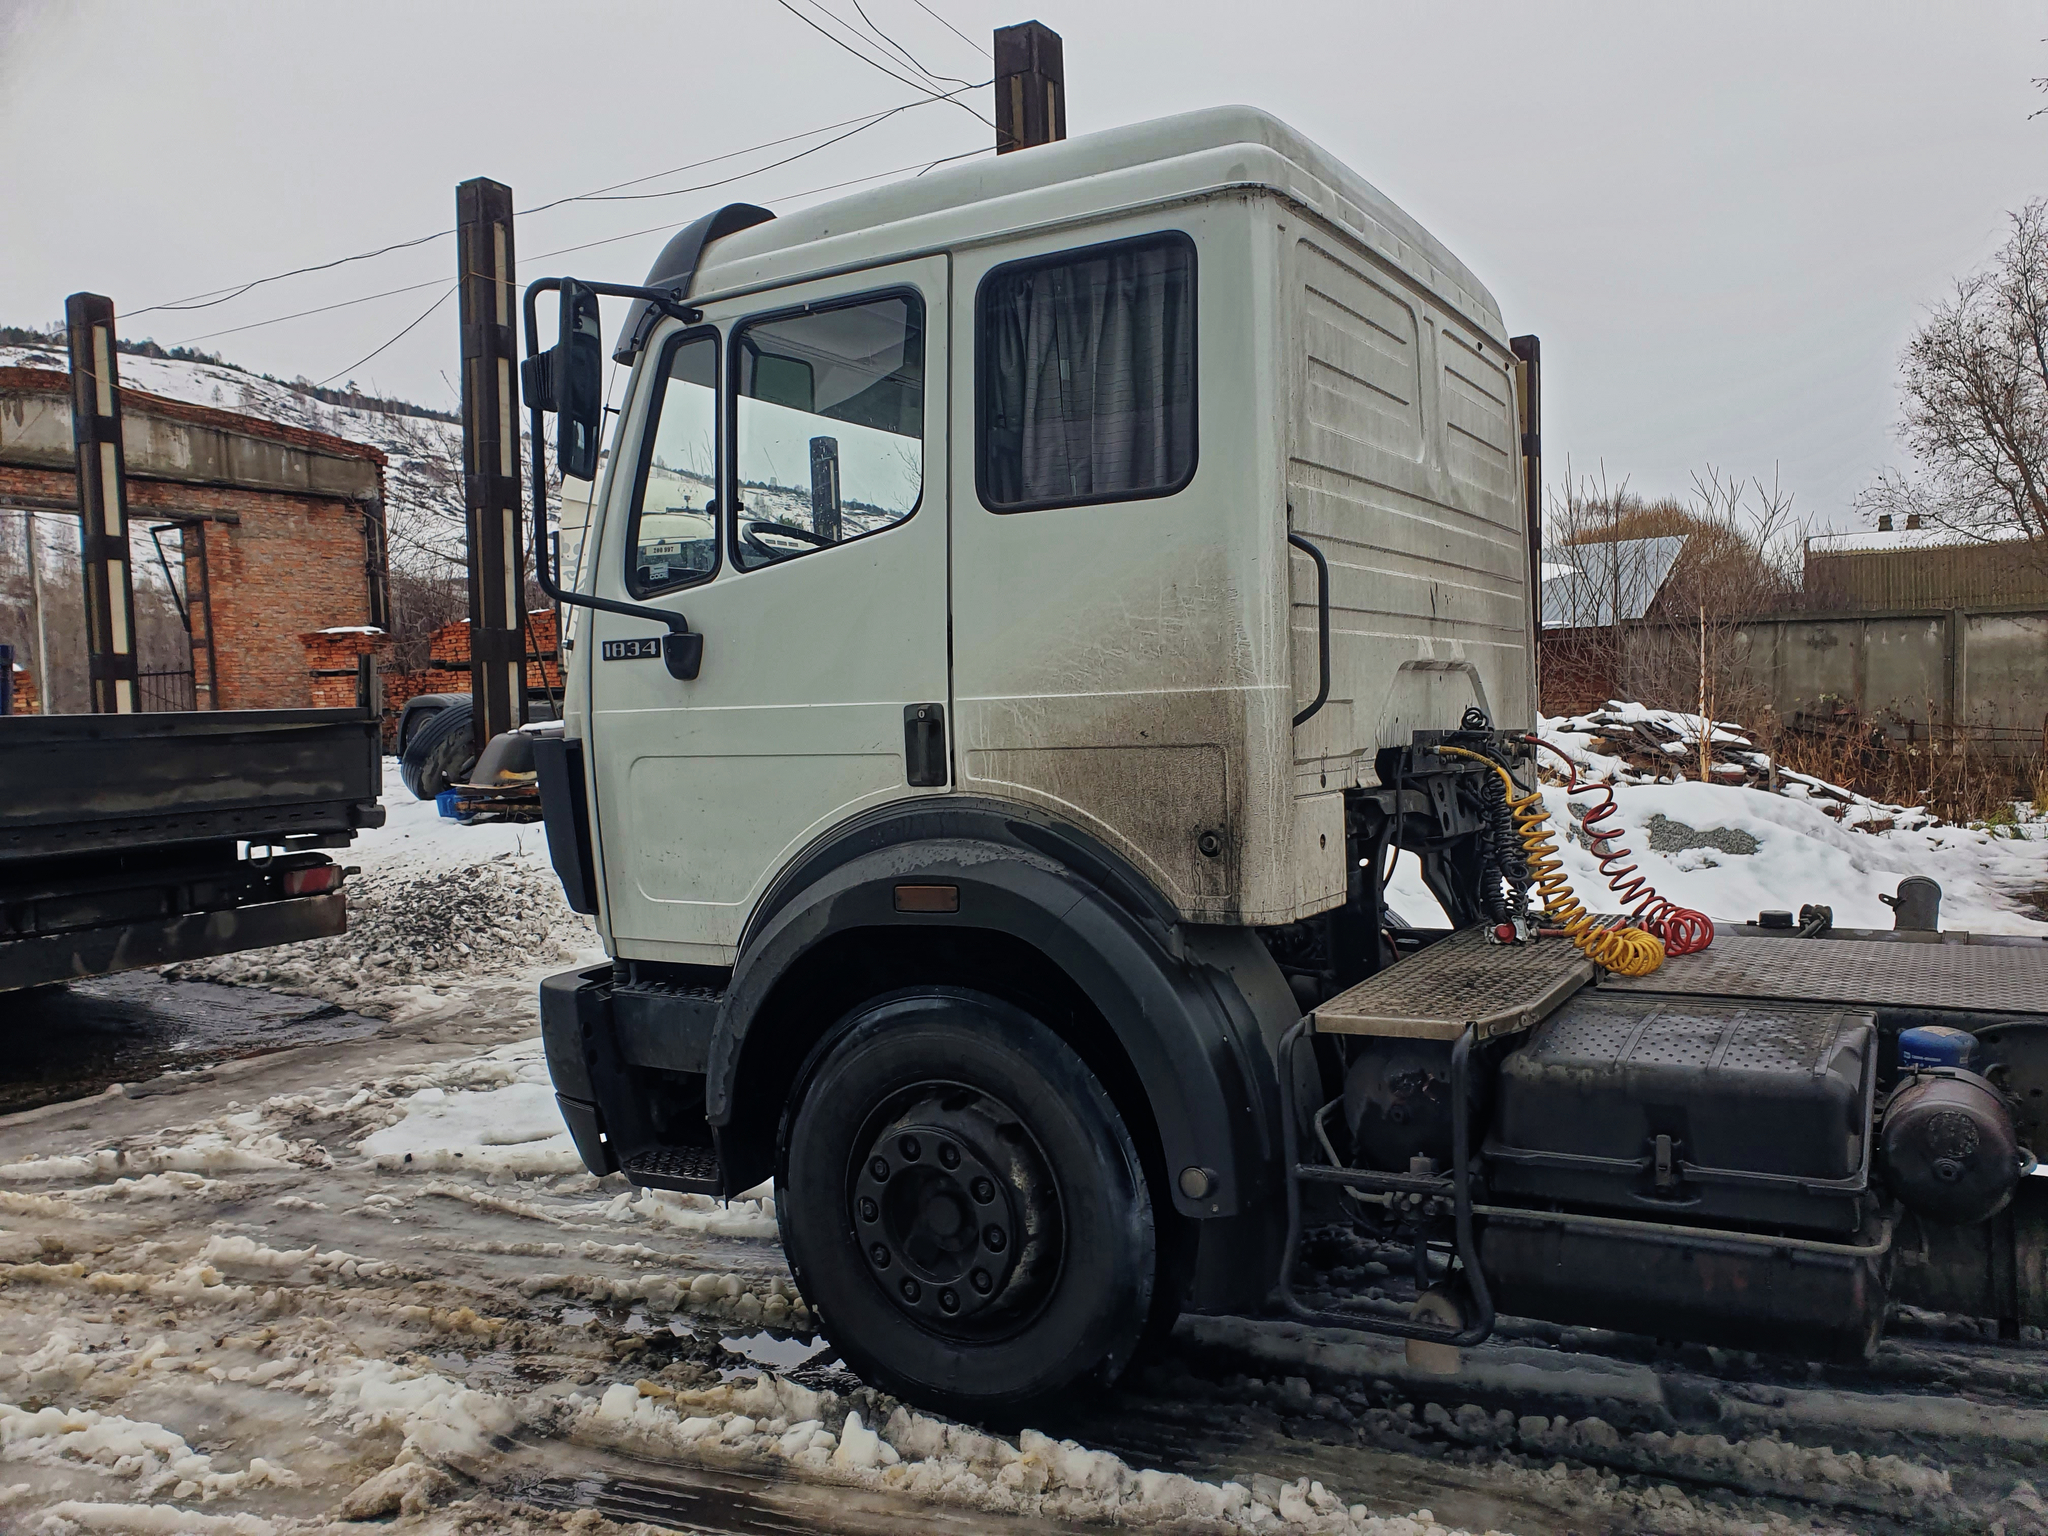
point(291, 566)
point(25, 702)
point(331, 662)
point(447, 668)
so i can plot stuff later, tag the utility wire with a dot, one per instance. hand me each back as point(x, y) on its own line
point(352, 367)
point(215, 296)
point(278, 277)
point(629, 235)
point(935, 16)
point(872, 63)
point(903, 52)
point(631, 197)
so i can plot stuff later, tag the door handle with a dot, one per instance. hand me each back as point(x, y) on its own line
point(924, 745)
point(1322, 624)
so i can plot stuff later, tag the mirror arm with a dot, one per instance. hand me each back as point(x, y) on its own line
point(682, 648)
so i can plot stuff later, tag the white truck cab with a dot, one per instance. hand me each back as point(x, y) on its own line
point(1023, 611)
point(1060, 540)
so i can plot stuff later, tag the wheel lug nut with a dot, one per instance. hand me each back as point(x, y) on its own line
point(984, 1190)
point(949, 1301)
point(911, 1289)
point(868, 1209)
point(879, 1168)
point(949, 1154)
point(993, 1238)
point(981, 1282)
point(880, 1255)
point(910, 1149)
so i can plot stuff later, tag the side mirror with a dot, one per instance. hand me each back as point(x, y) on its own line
point(568, 379)
point(579, 382)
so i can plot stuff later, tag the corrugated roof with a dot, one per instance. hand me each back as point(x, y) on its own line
point(1583, 584)
point(1873, 541)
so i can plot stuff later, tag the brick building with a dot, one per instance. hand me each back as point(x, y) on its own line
point(273, 531)
point(330, 660)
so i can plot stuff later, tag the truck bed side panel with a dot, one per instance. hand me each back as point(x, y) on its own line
point(86, 783)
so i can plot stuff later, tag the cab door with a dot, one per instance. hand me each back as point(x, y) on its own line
point(789, 497)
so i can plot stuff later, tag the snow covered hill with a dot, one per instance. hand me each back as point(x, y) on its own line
point(422, 482)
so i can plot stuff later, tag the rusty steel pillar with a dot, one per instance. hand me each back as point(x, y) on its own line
point(490, 457)
point(1031, 87)
point(102, 505)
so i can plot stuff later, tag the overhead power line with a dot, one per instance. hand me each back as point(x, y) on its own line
point(633, 234)
point(935, 16)
point(902, 52)
point(352, 367)
point(209, 298)
point(874, 63)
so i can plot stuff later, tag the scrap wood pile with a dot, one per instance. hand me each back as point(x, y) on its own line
point(1632, 744)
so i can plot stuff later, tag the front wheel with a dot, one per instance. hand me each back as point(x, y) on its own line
point(962, 1206)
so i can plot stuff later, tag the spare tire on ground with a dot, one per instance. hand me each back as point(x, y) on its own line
point(419, 710)
point(440, 753)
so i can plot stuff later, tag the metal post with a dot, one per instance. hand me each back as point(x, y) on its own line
point(199, 609)
point(40, 666)
point(102, 504)
point(490, 457)
point(825, 488)
point(1031, 87)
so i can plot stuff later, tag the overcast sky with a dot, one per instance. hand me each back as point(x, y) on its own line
point(1723, 220)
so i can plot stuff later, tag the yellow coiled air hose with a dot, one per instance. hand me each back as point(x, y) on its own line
point(1619, 948)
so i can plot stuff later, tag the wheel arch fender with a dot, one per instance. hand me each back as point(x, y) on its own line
point(1192, 1046)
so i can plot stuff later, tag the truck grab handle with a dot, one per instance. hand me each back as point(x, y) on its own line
point(1322, 625)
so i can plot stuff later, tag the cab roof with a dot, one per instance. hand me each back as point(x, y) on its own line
point(1129, 167)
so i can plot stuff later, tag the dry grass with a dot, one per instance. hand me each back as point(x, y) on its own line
point(1958, 779)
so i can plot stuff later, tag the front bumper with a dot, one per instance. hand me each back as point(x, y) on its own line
point(575, 1026)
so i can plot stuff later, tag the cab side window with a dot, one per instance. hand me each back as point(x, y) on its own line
point(674, 537)
point(828, 426)
point(1085, 387)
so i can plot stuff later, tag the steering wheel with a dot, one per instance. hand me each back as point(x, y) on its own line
point(751, 529)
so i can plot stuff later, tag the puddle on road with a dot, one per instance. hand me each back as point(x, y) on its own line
point(72, 1041)
point(783, 1354)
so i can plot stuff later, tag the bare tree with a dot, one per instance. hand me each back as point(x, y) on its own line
point(1649, 598)
point(1975, 378)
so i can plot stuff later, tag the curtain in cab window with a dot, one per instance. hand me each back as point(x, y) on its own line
point(1088, 375)
point(828, 426)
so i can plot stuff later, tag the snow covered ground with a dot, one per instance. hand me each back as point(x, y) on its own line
point(371, 1281)
point(1732, 852)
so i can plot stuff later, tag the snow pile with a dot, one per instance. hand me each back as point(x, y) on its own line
point(751, 1215)
point(437, 911)
point(1731, 851)
point(414, 938)
point(1661, 746)
point(515, 1129)
point(159, 1461)
point(822, 1435)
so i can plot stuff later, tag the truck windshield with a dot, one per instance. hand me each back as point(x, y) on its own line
point(829, 426)
point(675, 535)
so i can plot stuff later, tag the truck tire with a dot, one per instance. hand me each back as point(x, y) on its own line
point(418, 710)
point(962, 1206)
point(439, 753)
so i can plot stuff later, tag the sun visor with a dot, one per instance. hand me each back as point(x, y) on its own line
point(676, 266)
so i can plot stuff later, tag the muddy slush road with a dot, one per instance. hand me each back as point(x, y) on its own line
point(217, 1294)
